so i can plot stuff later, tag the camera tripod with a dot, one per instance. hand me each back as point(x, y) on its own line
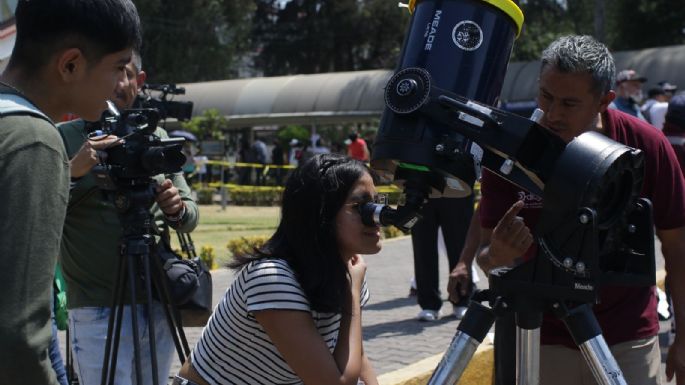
point(135, 268)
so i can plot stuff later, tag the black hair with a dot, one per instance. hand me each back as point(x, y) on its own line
point(96, 27)
point(655, 91)
point(306, 235)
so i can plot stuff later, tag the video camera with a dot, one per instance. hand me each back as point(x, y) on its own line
point(142, 153)
point(439, 127)
point(181, 111)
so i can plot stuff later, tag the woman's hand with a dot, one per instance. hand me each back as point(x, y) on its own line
point(357, 268)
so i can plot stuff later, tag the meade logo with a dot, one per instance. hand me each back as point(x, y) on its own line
point(580, 286)
point(431, 30)
point(467, 35)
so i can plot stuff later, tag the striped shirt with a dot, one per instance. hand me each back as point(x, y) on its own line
point(235, 349)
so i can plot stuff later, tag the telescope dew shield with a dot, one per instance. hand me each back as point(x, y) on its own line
point(465, 47)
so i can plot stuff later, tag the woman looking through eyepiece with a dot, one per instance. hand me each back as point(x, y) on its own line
point(293, 312)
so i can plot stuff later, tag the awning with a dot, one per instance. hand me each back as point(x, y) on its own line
point(350, 97)
point(329, 98)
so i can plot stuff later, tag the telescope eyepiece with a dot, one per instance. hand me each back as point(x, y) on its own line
point(375, 214)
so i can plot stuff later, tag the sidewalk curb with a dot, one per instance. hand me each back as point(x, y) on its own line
point(478, 372)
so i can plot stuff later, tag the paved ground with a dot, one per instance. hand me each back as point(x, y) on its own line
point(393, 338)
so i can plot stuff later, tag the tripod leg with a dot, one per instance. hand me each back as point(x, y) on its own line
point(134, 317)
point(150, 320)
point(115, 315)
point(527, 356)
point(586, 333)
point(470, 333)
point(528, 325)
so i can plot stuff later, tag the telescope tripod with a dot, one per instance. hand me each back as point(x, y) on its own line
point(580, 322)
point(135, 268)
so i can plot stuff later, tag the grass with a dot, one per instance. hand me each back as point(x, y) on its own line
point(217, 226)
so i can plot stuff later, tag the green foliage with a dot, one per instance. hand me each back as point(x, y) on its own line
point(246, 245)
point(620, 24)
point(207, 126)
point(199, 40)
point(255, 195)
point(287, 133)
point(636, 24)
point(314, 36)
point(392, 232)
point(194, 40)
point(204, 194)
point(208, 256)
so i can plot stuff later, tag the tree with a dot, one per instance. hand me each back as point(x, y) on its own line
point(635, 24)
point(620, 24)
point(194, 40)
point(207, 126)
point(545, 20)
point(313, 36)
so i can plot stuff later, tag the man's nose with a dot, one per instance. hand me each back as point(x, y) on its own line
point(553, 113)
point(123, 81)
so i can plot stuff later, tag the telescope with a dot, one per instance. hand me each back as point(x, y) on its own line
point(440, 126)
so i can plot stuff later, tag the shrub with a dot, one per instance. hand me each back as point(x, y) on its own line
point(255, 195)
point(205, 195)
point(208, 256)
point(246, 245)
point(391, 232)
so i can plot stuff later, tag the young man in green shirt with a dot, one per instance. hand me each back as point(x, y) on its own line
point(68, 57)
point(90, 254)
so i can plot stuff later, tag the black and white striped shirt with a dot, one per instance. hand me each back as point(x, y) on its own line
point(235, 349)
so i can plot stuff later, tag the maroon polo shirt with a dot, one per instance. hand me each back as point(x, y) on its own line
point(624, 313)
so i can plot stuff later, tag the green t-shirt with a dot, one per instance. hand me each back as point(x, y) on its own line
point(34, 190)
point(92, 231)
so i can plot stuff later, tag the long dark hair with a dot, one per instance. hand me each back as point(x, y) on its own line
point(306, 235)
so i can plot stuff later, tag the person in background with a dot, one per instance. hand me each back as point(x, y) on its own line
point(629, 93)
point(452, 216)
point(68, 57)
point(357, 148)
point(258, 154)
point(674, 127)
point(278, 159)
point(654, 95)
point(293, 312)
point(657, 111)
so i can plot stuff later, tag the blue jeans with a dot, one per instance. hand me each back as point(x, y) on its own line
point(88, 331)
point(56, 355)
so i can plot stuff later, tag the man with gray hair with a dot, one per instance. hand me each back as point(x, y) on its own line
point(575, 90)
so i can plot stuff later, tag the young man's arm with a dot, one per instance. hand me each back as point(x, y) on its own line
point(34, 188)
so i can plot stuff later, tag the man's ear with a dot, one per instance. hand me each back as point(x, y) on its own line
point(140, 79)
point(71, 64)
point(606, 99)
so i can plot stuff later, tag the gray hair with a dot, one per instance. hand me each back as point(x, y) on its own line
point(577, 54)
